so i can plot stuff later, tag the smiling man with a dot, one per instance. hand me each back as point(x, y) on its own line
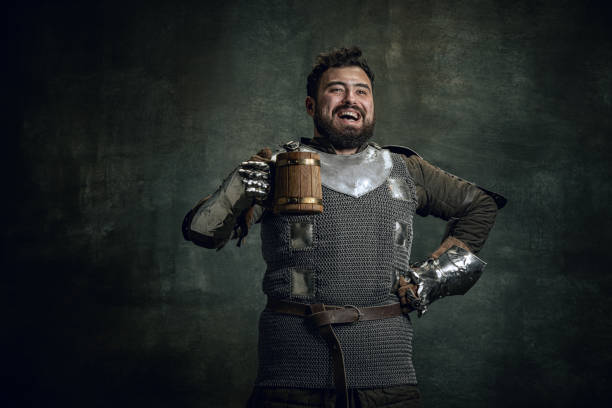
point(343, 109)
point(336, 331)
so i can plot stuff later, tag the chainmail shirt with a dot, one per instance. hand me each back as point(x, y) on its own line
point(350, 256)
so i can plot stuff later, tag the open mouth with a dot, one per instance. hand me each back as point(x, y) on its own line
point(349, 115)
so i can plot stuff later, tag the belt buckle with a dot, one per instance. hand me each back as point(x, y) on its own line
point(359, 314)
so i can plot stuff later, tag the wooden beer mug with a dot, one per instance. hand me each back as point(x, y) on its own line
point(297, 183)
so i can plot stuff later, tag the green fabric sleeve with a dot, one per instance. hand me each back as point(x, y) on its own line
point(470, 211)
point(211, 223)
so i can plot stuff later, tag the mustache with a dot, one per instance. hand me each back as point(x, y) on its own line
point(353, 107)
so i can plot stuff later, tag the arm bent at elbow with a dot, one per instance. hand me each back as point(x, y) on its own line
point(469, 209)
point(233, 208)
point(212, 221)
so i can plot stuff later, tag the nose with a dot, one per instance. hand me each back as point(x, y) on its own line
point(349, 97)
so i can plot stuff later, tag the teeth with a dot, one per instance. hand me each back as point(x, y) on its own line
point(350, 114)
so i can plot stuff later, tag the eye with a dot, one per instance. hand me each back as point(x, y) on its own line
point(336, 90)
point(362, 92)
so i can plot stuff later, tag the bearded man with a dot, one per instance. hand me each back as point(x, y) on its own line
point(336, 330)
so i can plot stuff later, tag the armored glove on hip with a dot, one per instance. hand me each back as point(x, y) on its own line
point(454, 272)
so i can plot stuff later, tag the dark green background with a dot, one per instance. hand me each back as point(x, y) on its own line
point(127, 114)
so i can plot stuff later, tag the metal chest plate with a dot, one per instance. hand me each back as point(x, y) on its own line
point(355, 174)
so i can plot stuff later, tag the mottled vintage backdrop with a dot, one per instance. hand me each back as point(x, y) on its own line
point(128, 113)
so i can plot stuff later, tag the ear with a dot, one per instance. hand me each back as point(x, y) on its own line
point(310, 106)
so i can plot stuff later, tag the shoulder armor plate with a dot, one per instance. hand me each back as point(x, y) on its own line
point(401, 150)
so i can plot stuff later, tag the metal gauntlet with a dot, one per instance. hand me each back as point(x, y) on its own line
point(256, 178)
point(453, 273)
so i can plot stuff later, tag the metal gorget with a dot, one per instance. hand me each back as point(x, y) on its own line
point(354, 174)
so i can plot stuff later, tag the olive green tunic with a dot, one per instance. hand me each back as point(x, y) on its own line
point(469, 210)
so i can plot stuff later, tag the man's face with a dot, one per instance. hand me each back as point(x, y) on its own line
point(344, 109)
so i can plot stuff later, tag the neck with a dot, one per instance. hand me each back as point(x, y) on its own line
point(346, 151)
point(323, 141)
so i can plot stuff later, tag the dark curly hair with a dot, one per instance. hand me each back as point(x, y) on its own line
point(339, 57)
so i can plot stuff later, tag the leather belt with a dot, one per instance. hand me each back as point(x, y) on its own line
point(323, 317)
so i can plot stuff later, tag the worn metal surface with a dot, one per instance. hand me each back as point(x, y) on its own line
point(453, 273)
point(355, 174)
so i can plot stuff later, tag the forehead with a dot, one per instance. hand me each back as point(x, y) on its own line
point(349, 75)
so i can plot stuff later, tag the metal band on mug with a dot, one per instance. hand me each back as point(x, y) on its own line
point(298, 200)
point(304, 162)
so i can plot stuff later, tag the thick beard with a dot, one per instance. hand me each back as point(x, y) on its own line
point(346, 138)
